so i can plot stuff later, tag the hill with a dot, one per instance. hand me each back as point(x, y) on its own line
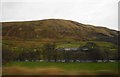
point(57, 30)
point(48, 40)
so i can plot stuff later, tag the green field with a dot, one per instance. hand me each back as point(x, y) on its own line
point(68, 66)
point(38, 44)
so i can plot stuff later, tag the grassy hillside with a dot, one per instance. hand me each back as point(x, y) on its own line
point(38, 44)
point(64, 33)
point(56, 30)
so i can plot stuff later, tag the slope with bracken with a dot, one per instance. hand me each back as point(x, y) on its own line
point(57, 30)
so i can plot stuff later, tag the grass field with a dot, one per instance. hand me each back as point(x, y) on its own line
point(69, 67)
point(38, 44)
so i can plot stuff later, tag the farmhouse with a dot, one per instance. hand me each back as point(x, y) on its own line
point(71, 49)
point(74, 49)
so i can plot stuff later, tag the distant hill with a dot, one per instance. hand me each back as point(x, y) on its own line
point(57, 30)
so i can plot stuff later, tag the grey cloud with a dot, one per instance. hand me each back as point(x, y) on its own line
point(96, 12)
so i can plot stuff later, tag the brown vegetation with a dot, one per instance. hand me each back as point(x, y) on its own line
point(51, 71)
point(56, 30)
point(42, 71)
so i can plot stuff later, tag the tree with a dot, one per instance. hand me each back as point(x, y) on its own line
point(49, 49)
point(7, 55)
point(92, 51)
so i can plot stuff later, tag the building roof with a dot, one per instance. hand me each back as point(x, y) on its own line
point(67, 49)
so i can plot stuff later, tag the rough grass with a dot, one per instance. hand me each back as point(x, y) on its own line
point(68, 66)
point(53, 28)
point(60, 68)
point(31, 71)
point(38, 44)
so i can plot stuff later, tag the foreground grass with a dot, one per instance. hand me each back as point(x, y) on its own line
point(57, 68)
point(68, 66)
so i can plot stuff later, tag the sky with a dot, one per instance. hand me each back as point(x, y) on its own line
point(95, 12)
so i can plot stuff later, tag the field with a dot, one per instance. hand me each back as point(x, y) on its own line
point(60, 68)
point(37, 44)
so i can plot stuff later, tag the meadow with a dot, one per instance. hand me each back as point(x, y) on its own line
point(61, 68)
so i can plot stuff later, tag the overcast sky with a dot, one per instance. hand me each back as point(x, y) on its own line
point(94, 12)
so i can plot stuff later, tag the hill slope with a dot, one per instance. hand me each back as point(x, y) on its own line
point(56, 30)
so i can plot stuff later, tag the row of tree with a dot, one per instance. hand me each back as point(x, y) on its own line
point(48, 52)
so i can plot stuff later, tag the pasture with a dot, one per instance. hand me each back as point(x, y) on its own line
point(60, 68)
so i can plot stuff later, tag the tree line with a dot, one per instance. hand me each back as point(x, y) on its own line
point(49, 52)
